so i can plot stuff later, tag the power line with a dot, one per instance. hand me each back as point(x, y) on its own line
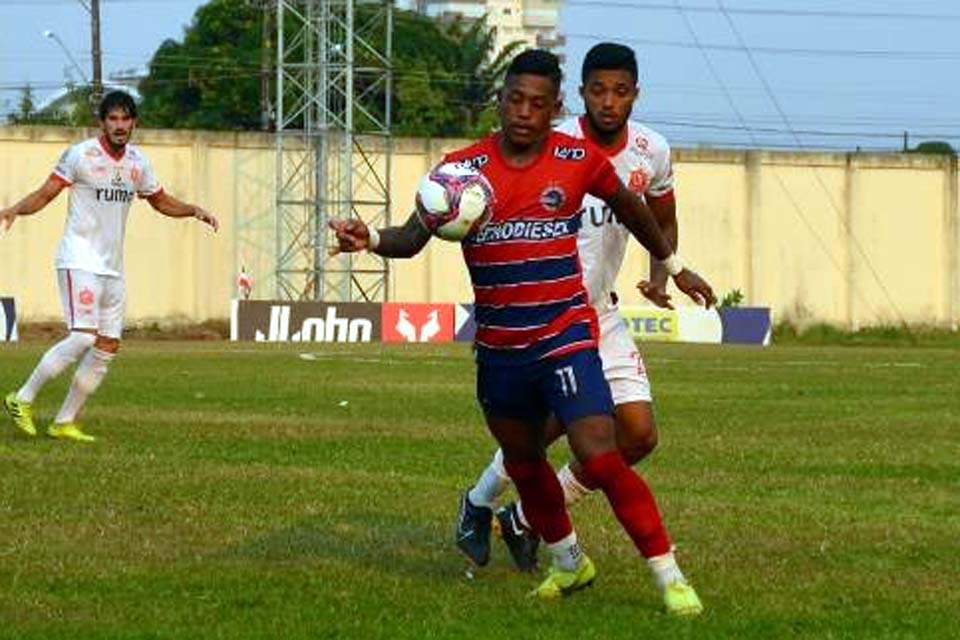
point(793, 13)
point(798, 51)
point(819, 178)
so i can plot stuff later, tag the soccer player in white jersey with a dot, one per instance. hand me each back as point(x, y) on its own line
point(104, 174)
point(642, 159)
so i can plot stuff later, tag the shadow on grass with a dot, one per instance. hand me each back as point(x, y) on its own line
point(378, 541)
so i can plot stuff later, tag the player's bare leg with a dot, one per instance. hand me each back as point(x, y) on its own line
point(89, 375)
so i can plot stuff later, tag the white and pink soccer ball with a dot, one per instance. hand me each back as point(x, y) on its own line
point(454, 201)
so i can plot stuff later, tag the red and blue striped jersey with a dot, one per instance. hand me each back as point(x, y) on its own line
point(530, 300)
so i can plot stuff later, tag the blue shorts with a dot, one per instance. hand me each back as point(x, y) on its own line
point(570, 386)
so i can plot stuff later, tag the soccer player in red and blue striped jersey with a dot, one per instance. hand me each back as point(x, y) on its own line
point(536, 339)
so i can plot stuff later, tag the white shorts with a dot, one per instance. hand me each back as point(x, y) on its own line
point(92, 301)
point(622, 363)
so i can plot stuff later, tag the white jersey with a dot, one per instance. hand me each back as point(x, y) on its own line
point(643, 165)
point(102, 188)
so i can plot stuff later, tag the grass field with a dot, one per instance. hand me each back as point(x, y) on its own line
point(813, 492)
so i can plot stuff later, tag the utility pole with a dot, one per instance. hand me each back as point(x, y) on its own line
point(97, 93)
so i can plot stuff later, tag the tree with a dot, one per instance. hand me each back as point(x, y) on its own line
point(26, 103)
point(211, 80)
point(444, 74)
point(70, 109)
point(934, 147)
point(479, 71)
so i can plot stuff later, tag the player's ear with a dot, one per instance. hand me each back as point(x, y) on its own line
point(558, 106)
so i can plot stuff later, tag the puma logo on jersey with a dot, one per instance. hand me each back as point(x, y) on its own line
point(569, 153)
point(114, 195)
point(598, 216)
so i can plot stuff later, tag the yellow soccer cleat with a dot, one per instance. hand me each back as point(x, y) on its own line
point(21, 412)
point(69, 431)
point(562, 583)
point(680, 599)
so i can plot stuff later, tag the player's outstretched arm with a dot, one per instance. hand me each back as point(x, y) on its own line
point(393, 242)
point(637, 217)
point(170, 206)
point(33, 202)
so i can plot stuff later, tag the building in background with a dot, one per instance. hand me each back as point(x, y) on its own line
point(535, 22)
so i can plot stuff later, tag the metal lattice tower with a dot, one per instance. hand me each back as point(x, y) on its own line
point(333, 146)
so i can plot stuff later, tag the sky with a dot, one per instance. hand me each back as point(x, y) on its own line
point(835, 74)
point(131, 31)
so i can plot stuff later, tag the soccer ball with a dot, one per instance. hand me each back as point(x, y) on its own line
point(454, 200)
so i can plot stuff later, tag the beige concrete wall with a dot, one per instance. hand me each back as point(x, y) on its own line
point(853, 240)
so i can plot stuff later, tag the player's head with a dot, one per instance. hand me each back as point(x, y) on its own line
point(530, 97)
point(118, 117)
point(609, 86)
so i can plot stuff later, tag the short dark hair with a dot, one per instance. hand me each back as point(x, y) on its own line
point(117, 100)
point(609, 56)
point(537, 62)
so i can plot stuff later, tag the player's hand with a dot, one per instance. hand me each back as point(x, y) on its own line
point(206, 217)
point(352, 236)
point(656, 292)
point(695, 287)
point(7, 216)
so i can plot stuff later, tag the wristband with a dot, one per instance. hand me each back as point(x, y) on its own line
point(374, 241)
point(673, 264)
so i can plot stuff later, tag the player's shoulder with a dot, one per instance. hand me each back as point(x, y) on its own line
point(135, 153)
point(85, 150)
point(89, 148)
point(646, 138)
point(570, 126)
point(476, 155)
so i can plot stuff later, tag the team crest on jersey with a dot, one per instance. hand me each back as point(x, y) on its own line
point(86, 296)
point(117, 179)
point(638, 182)
point(135, 174)
point(553, 198)
point(642, 143)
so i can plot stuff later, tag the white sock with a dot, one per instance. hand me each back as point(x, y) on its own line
point(88, 377)
point(491, 483)
point(54, 361)
point(566, 552)
point(573, 489)
point(665, 569)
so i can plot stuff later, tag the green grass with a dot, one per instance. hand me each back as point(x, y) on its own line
point(813, 491)
point(787, 333)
